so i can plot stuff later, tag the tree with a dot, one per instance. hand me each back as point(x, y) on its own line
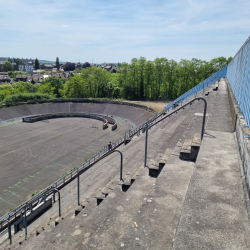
point(57, 63)
point(69, 66)
point(74, 87)
point(56, 83)
point(7, 66)
point(47, 89)
point(18, 61)
point(37, 66)
point(86, 64)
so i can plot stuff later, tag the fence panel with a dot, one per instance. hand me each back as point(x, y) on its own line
point(238, 75)
point(200, 87)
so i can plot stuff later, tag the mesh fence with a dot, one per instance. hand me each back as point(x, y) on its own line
point(238, 75)
point(200, 87)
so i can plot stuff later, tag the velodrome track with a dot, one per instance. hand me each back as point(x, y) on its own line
point(33, 155)
point(136, 115)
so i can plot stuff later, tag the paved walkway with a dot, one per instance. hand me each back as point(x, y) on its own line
point(214, 215)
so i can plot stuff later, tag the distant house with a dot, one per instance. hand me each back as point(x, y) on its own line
point(79, 66)
point(20, 77)
point(113, 70)
point(47, 66)
point(4, 78)
point(37, 79)
point(26, 68)
point(109, 67)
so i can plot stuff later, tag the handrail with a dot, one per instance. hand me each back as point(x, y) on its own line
point(78, 173)
point(149, 126)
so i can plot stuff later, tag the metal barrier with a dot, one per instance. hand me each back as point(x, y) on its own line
point(104, 119)
point(149, 126)
point(238, 75)
point(200, 87)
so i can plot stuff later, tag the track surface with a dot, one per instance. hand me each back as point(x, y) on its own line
point(33, 155)
point(136, 115)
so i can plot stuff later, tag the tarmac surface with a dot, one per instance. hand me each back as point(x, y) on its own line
point(33, 155)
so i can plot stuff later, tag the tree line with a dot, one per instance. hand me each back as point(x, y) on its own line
point(142, 79)
point(160, 79)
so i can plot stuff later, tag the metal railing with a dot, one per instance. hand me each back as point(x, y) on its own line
point(238, 75)
point(150, 125)
point(200, 87)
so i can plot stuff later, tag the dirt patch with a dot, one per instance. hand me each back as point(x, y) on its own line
point(156, 105)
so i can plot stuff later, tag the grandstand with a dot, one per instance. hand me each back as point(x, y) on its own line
point(200, 202)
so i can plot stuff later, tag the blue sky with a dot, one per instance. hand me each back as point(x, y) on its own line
point(116, 31)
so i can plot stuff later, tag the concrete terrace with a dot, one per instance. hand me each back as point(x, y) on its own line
point(170, 204)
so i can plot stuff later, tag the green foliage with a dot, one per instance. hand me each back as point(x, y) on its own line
point(25, 97)
point(25, 87)
point(37, 65)
point(35, 193)
point(75, 87)
point(56, 83)
point(7, 66)
point(18, 61)
point(57, 63)
point(141, 79)
point(47, 88)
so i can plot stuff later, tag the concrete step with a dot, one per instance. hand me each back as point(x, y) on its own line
point(214, 215)
point(190, 148)
point(155, 223)
point(82, 219)
point(195, 146)
point(186, 150)
point(117, 190)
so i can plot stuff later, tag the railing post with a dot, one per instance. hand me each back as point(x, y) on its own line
point(78, 188)
point(146, 148)
point(9, 229)
point(59, 200)
point(204, 118)
point(25, 221)
point(121, 165)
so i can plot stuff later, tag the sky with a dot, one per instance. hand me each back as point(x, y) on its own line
point(117, 31)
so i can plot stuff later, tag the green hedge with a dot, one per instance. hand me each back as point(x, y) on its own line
point(26, 97)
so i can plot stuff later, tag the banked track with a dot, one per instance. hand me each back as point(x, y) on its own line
point(132, 112)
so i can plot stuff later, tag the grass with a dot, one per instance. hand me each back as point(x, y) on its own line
point(35, 193)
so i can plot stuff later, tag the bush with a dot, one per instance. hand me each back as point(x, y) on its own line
point(26, 97)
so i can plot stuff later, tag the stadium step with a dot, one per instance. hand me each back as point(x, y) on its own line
point(155, 222)
point(214, 214)
point(108, 220)
point(190, 148)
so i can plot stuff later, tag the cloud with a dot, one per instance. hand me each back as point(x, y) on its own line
point(118, 30)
